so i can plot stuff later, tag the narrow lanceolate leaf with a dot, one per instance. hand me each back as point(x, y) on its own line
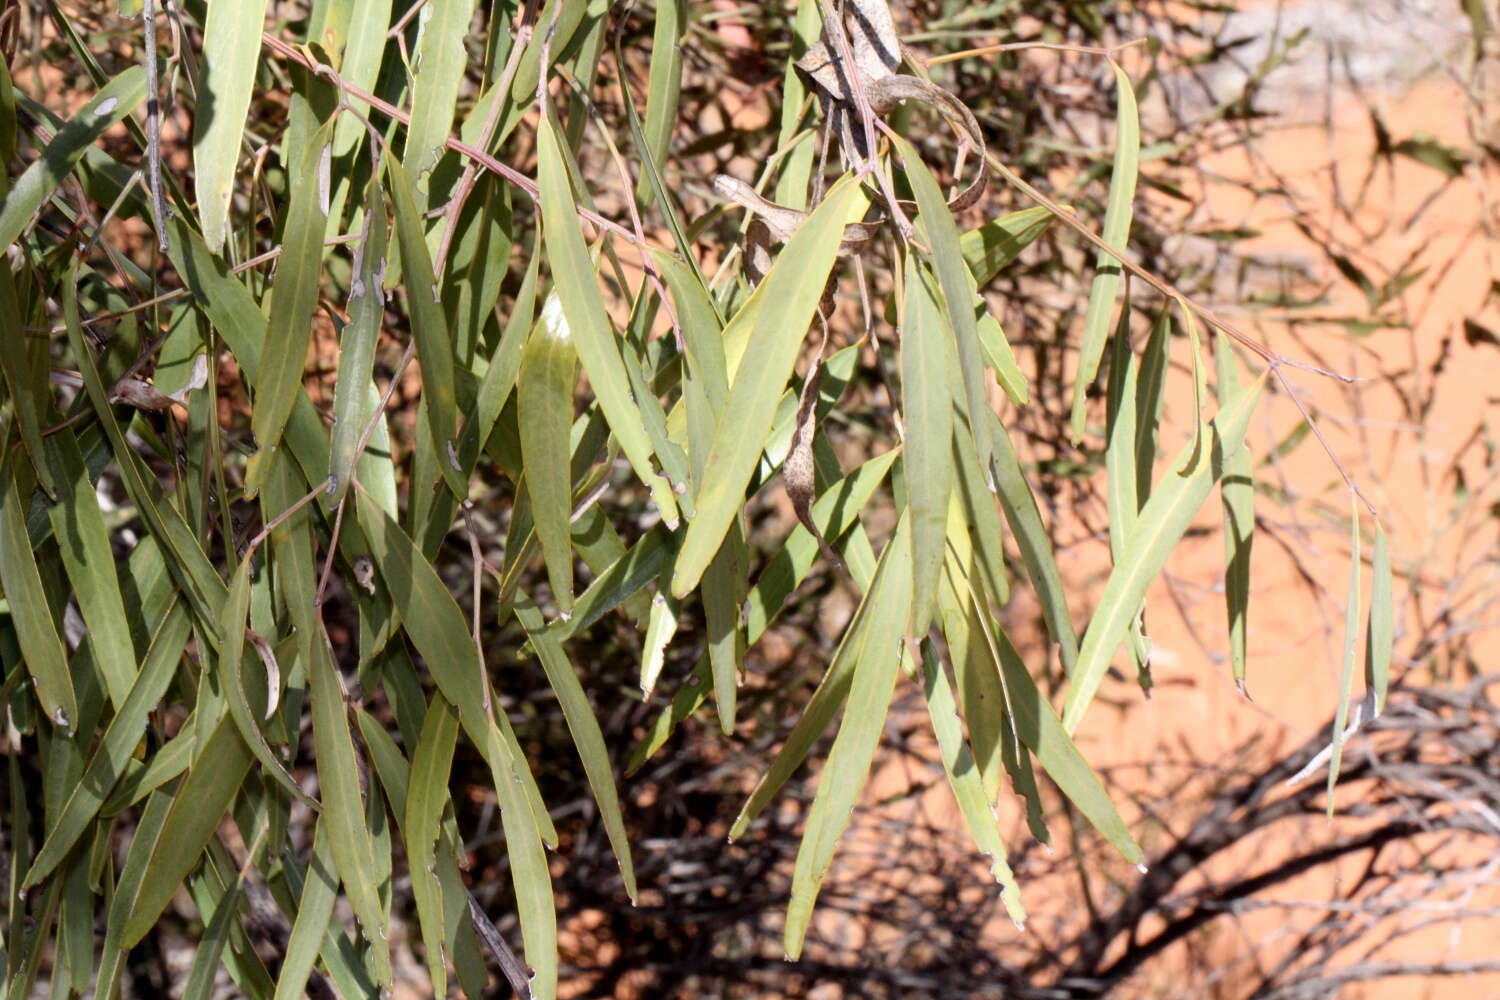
point(663, 88)
point(358, 64)
point(1043, 733)
point(437, 71)
point(588, 739)
point(127, 890)
point(661, 625)
point(78, 525)
point(230, 59)
point(848, 764)
point(927, 410)
point(197, 806)
point(429, 327)
point(31, 190)
point(119, 740)
point(593, 336)
point(1351, 639)
point(790, 295)
point(26, 379)
point(294, 296)
point(1150, 384)
point(231, 660)
point(1163, 520)
point(975, 672)
point(427, 795)
point(544, 398)
point(1382, 631)
point(1120, 466)
point(1117, 216)
point(963, 777)
point(338, 782)
point(437, 628)
point(990, 248)
point(353, 401)
point(833, 514)
point(315, 903)
point(1238, 492)
point(1025, 520)
point(1200, 380)
point(948, 260)
point(723, 589)
point(41, 647)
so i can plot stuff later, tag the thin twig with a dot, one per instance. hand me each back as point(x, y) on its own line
point(494, 166)
point(1274, 362)
point(333, 548)
point(511, 966)
point(471, 169)
point(279, 519)
point(985, 50)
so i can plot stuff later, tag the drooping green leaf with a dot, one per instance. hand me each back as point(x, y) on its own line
point(294, 296)
point(315, 903)
point(1039, 728)
point(1238, 493)
point(963, 777)
point(30, 192)
point(1351, 640)
point(1163, 520)
point(990, 248)
point(593, 336)
point(426, 797)
point(1382, 630)
point(338, 781)
point(429, 328)
point(663, 88)
point(548, 375)
point(588, 739)
point(229, 64)
point(119, 739)
point(354, 394)
point(927, 411)
point(1118, 213)
point(1025, 521)
point(941, 233)
point(84, 543)
point(791, 293)
point(231, 658)
point(888, 607)
point(197, 807)
point(42, 648)
point(438, 67)
point(26, 378)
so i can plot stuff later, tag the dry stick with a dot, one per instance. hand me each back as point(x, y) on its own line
point(471, 169)
point(153, 126)
point(514, 970)
point(1274, 362)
